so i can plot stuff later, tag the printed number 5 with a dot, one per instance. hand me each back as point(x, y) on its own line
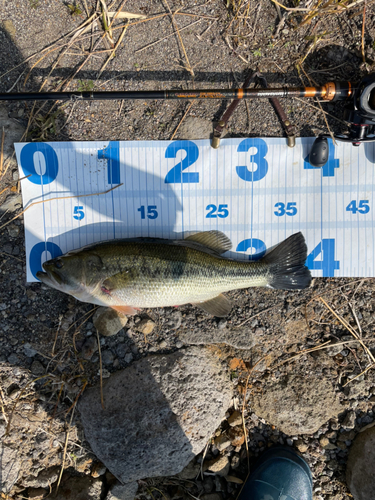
point(290, 209)
point(79, 214)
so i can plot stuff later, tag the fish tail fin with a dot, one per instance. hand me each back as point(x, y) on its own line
point(287, 264)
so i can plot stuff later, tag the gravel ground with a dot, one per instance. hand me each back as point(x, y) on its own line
point(43, 332)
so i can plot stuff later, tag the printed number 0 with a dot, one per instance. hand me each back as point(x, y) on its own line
point(28, 165)
point(35, 257)
point(258, 158)
point(258, 245)
point(175, 175)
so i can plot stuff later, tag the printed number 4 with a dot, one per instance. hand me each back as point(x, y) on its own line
point(363, 207)
point(222, 211)
point(289, 210)
point(328, 264)
point(79, 214)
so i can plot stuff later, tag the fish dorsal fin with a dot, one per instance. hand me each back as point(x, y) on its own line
point(119, 281)
point(214, 240)
point(219, 306)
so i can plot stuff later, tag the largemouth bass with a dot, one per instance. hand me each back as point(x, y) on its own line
point(128, 275)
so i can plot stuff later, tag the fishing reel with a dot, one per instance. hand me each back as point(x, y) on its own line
point(359, 112)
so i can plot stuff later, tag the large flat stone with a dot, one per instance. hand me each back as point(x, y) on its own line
point(297, 404)
point(360, 471)
point(159, 413)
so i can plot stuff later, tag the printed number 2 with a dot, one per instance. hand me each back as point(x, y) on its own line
point(175, 175)
point(290, 209)
point(259, 159)
point(222, 211)
point(363, 207)
point(257, 245)
point(79, 213)
point(328, 264)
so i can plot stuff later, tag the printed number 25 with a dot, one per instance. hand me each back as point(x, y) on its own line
point(175, 175)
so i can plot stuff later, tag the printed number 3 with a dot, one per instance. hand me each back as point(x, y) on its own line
point(289, 210)
point(79, 214)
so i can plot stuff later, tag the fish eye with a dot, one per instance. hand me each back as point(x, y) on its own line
point(59, 264)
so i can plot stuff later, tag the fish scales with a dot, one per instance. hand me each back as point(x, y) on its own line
point(173, 275)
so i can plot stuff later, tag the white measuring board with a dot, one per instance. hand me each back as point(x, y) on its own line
point(257, 191)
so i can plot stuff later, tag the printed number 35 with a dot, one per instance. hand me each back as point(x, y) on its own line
point(289, 210)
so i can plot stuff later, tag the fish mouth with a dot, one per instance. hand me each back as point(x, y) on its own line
point(50, 277)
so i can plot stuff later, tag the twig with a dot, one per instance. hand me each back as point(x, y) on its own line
point(363, 33)
point(65, 449)
point(101, 370)
point(112, 55)
point(188, 66)
point(2, 407)
point(182, 119)
point(290, 9)
point(362, 373)
point(59, 198)
point(349, 328)
point(2, 152)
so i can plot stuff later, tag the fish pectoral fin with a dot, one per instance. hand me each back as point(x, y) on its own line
point(119, 281)
point(126, 309)
point(219, 306)
point(214, 240)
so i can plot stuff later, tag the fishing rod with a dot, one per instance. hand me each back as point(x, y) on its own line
point(330, 91)
point(359, 110)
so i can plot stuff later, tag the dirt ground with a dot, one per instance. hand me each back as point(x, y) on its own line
point(42, 331)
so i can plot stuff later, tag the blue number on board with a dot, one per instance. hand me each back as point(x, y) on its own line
point(175, 175)
point(35, 257)
point(50, 158)
point(289, 210)
point(79, 213)
point(327, 264)
point(259, 159)
point(222, 211)
point(112, 154)
point(329, 168)
point(258, 245)
point(151, 212)
point(363, 207)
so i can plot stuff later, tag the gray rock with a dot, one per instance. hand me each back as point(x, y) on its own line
point(108, 322)
point(349, 420)
point(13, 359)
point(128, 358)
point(29, 351)
point(222, 442)
point(159, 413)
point(239, 338)
point(174, 320)
point(297, 404)
point(219, 465)
point(123, 491)
point(37, 368)
point(194, 128)
point(89, 346)
point(190, 471)
point(11, 465)
point(44, 479)
point(13, 230)
point(360, 476)
point(80, 488)
point(11, 204)
point(107, 357)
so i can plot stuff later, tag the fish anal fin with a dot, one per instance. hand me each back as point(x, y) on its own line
point(219, 306)
point(126, 309)
point(214, 240)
